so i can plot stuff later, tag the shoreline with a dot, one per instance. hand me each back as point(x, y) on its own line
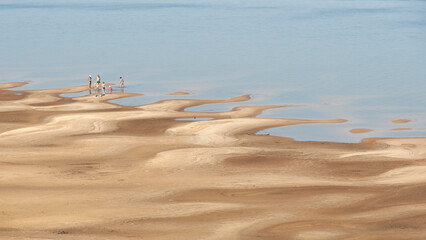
point(83, 167)
point(350, 132)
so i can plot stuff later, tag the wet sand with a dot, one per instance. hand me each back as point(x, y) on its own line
point(85, 168)
point(401, 129)
point(179, 93)
point(401, 121)
point(360, 130)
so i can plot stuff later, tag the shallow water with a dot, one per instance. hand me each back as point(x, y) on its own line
point(358, 60)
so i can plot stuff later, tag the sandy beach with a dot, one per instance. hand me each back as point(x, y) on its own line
point(86, 168)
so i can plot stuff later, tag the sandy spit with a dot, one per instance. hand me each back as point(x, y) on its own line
point(401, 121)
point(401, 129)
point(360, 130)
point(179, 93)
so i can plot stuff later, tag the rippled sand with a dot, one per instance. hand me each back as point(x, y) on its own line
point(85, 168)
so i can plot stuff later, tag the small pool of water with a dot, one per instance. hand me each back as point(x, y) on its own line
point(194, 119)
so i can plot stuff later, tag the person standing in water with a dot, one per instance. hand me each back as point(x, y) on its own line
point(121, 82)
point(98, 81)
point(103, 88)
point(90, 81)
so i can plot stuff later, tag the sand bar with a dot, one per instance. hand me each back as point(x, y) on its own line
point(179, 93)
point(401, 121)
point(360, 130)
point(401, 129)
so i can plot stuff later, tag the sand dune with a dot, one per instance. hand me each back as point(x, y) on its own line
point(85, 168)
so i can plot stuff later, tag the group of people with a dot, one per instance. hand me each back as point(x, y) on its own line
point(97, 86)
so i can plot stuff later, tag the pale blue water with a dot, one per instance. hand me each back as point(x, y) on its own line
point(360, 60)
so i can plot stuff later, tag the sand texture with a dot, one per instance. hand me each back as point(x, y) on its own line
point(85, 168)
